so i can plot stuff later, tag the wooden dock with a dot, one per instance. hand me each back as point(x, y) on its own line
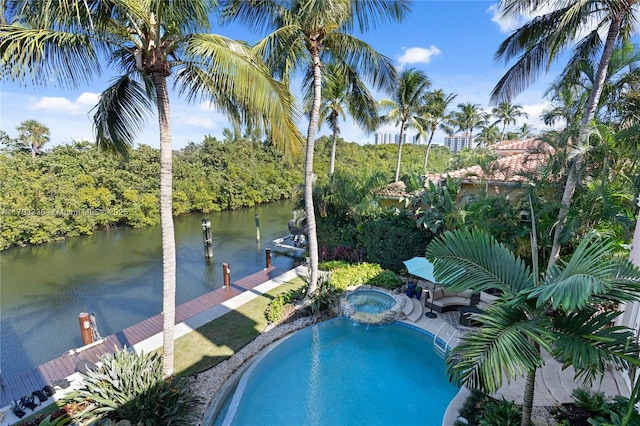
point(23, 384)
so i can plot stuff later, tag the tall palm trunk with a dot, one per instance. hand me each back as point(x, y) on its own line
point(399, 151)
point(166, 222)
point(334, 140)
point(426, 155)
point(590, 113)
point(312, 240)
point(527, 402)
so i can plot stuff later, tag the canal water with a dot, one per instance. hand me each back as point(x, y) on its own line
point(117, 274)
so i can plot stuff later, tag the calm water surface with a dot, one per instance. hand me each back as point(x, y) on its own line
point(118, 275)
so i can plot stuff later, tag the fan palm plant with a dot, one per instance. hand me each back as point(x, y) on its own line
point(147, 41)
point(567, 311)
point(307, 34)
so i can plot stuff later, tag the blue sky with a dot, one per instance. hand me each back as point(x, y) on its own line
point(453, 42)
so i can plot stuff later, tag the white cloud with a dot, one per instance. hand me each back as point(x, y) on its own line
point(62, 105)
point(199, 121)
point(417, 55)
point(505, 25)
point(88, 98)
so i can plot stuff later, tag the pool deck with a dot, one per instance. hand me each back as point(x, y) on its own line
point(553, 385)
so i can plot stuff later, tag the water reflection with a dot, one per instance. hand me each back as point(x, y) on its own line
point(118, 275)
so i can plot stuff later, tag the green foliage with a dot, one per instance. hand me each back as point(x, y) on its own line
point(357, 274)
point(479, 409)
point(76, 189)
point(386, 279)
point(281, 304)
point(501, 413)
point(332, 265)
point(131, 387)
point(594, 402)
point(325, 297)
point(474, 406)
point(500, 218)
point(353, 156)
point(392, 239)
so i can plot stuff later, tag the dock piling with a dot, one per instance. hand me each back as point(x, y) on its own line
point(226, 274)
point(207, 240)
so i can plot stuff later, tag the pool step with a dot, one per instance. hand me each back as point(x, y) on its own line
point(416, 312)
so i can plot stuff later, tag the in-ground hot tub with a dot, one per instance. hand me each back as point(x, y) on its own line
point(371, 306)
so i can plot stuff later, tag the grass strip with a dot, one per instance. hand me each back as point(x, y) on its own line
point(217, 340)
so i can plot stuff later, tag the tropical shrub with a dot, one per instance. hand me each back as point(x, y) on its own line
point(281, 305)
point(352, 275)
point(325, 297)
point(131, 387)
point(392, 239)
point(386, 279)
point(332, 265)
point(501, 413)
point(474, 406)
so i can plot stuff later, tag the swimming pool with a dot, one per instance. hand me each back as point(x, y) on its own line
point(343, 373)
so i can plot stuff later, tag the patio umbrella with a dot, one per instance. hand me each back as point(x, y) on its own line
point(420, 267)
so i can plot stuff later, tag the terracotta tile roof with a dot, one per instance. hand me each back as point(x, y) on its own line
point(516, 157)
point(394, 189)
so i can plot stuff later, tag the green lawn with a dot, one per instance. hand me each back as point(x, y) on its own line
point(217, 340)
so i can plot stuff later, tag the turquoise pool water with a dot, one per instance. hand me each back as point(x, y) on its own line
point(343, 373)
point(370, 301)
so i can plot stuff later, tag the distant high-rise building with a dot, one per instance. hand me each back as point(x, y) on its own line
point(382, 138)
point(458, 142)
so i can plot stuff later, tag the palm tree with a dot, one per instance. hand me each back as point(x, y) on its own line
point(567, 311)
point(342, 87)
point(468, 117)
point(33, 135)
point(488, 135)
point(308, 33)
point(435, 113)
point(622, 77)
point(563, 25)
point(147, 40)
point(507, 113)
point(525, 131)
point(406, 105)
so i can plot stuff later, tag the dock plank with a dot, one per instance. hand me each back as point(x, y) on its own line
point(64, 366)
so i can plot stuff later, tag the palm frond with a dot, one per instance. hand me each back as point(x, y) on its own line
point(120, 114)
point(501, 348)
point(587, 341)
point(41, 55)
point(371, 65)
point(589, 273)
point(469, 259)
point(237, 82)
